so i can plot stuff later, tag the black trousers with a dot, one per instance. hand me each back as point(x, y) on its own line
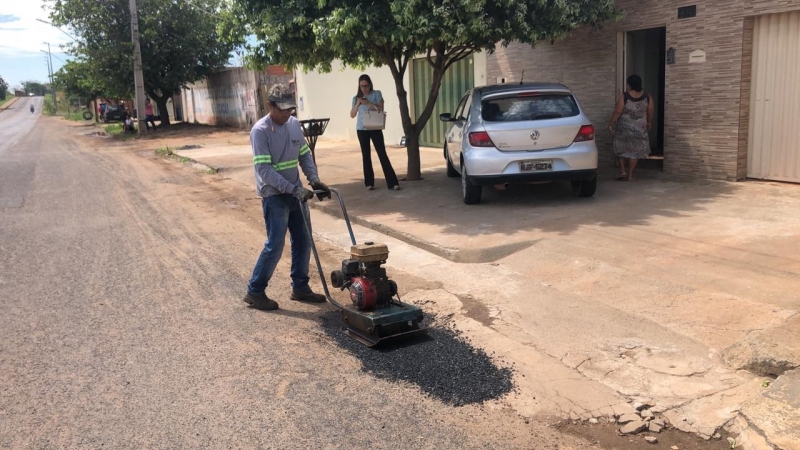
point(376, 136)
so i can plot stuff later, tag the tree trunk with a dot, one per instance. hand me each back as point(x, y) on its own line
point(440, 62)
point(163, 114)
point(414, 162)
point(414, 167)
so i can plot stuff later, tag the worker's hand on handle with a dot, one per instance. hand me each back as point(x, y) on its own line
point(302, 194)
point(321, 189)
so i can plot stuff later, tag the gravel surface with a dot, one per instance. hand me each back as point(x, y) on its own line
point(122, 325)
point(442, 364)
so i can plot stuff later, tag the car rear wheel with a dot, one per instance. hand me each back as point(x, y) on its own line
point(451, 171)
point(471, 193)
point(585, 188)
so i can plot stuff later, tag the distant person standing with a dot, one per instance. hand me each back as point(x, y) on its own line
point(148, 115)
point(365, 100)
point(630, 124)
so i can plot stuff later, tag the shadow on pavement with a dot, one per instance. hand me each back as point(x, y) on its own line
point(430, 213)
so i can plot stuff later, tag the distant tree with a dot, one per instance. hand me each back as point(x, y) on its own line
point(314, 33)
point(3, 88)
point(179, 43)
point(34, 86)
point(77, 79)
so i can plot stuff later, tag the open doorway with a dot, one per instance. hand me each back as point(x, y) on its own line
point(645, 55)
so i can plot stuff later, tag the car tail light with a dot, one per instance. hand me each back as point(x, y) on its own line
point(480, 139)
point(586, 133)
point(529, 94)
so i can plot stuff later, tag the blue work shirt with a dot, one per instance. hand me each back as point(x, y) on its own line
point(374, 97)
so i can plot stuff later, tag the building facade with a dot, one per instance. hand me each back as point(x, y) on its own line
point(234, 96)
point(724, 75)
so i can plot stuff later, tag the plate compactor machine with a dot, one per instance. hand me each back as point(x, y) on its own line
point(376, 315)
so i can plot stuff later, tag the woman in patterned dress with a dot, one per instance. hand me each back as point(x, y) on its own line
point(630, 125)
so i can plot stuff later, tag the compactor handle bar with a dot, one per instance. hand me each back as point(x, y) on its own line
point(307, 218)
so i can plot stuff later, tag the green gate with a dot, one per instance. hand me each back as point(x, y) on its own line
point(459, 78)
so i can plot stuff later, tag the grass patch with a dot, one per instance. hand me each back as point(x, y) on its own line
point(47, 106)
point(8, 97)
point(76, 116)
point(166, 152)
point(113, 129)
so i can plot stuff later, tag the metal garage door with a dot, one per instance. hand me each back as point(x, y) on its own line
point(458, 79)
point(774, 149)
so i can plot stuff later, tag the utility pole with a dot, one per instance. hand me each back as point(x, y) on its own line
point(52, 87)
point(138, 78)
point(49, 76)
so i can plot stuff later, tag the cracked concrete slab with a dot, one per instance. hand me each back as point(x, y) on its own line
point(705, 416)
point(647, 381)
point(606, 374)
point(545, 385)
point(768, 352)
point(750, 439)
point(776, 412)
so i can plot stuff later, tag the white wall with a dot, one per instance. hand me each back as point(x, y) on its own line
point(330, 95)
point(479, 63)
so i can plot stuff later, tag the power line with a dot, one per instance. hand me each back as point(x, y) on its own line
point(57, 28)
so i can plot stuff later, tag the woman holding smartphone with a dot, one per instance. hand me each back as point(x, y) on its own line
point(365, 100)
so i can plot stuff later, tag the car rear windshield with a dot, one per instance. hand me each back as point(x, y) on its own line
point(529, 106)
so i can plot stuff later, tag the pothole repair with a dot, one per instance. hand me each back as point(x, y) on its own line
point(442, 364)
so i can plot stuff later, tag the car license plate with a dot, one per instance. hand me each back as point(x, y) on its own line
point(535, 166)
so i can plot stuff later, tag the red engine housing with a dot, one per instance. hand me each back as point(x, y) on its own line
point(363, 294)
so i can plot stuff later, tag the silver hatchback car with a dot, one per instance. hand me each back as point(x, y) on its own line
point(520, 133)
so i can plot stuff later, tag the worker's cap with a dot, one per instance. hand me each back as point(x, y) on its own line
point(281, 95)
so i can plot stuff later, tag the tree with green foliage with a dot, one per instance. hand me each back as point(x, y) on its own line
point(359, 33)
point(178, 38)
point(77, 79)
point(3, 88)
point(34, 87)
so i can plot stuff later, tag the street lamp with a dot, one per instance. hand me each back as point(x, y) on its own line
point(57, 28)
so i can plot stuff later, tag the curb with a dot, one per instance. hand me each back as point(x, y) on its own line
point(196, 165)
point(8, 103)
point(475, 256)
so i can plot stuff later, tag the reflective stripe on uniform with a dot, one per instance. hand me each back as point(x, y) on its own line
point(285, 165)
point(262, 159)
point(304, 149)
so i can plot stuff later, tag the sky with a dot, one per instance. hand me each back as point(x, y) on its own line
point(22, 38)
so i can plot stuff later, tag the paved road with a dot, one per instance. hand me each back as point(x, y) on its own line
point(17, 120)
point(122, 325)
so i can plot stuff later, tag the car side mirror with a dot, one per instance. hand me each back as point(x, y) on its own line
point(446, 117)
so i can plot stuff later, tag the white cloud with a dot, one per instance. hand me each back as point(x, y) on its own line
point(26, 35)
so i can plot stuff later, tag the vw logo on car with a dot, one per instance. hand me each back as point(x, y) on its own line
point(535, 135)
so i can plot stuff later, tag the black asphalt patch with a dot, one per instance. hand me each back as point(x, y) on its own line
point(443, 364)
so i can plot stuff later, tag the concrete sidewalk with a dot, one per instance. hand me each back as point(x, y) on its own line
point(661, 289)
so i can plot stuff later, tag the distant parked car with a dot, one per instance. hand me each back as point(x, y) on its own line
point(114, 112)
point(506, 134)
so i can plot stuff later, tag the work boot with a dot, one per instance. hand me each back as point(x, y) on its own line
point(308, 296)
point(260, 302)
